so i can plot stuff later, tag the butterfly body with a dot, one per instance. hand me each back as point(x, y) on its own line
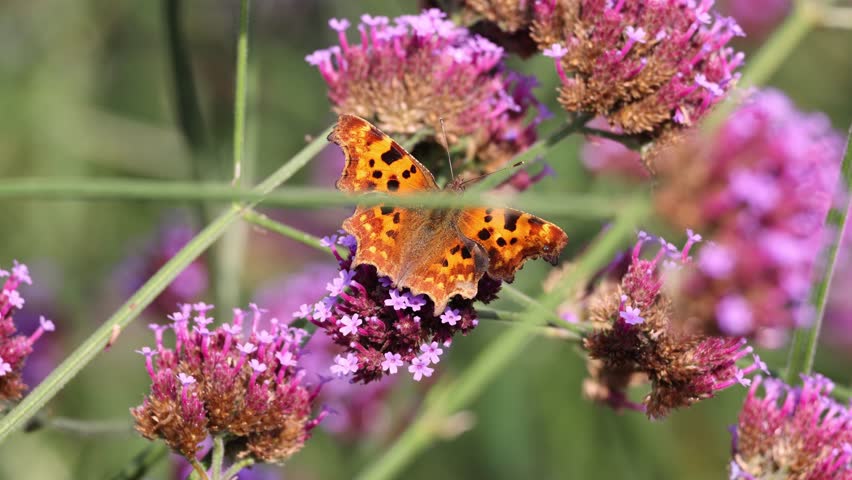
point(437, 252)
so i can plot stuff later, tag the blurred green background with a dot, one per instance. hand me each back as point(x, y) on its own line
point(86, 91)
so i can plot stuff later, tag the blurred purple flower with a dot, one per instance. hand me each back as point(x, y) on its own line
point(604, 156)
point(645, 66)
point(189, 285)
point(393, 321)
point(792, 432)
point(757, 17)
point(760, 188)
point(14, 347)
point(408, 73)
point(210, 383)
point(638, 339)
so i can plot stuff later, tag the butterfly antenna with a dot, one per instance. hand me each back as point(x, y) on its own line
point(471, 180)
point(447, 147)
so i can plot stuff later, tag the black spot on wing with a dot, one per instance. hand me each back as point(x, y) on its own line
point(393, 185)
point(488, 218)
point(396, 217)
point(455, 249)
point(501, 241)
point(391, 233)
point(393, 154)
point(377, 174)
point(388, 210)
point(372, 163)
point(510, 223)
point(406, 174)
point(465, 253)
point(535, 221)
point(484, 234)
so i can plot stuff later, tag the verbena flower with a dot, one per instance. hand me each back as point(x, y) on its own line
point(638, 340)
point(355, 410)
point(757, 17)
point(381, 328)
point(148, 258)
point(797, 433)
point(759, 188)
point(14, 347)
point(645, 66)
point(407, 73)
point(238, 379)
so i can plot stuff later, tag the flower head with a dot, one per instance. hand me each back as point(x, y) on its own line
point(759, 189)
point(14, 347)
point(645, 66)
point(208, 384)
point(379, 328)
point(638, 339)
point(408, 73)
point(792, 432)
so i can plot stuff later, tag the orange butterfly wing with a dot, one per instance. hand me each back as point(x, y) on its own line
point(374, 162)
point(511, 237)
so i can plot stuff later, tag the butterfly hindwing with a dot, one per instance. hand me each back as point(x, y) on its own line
point(374, 162)
point(381, 233)
point(510, 237)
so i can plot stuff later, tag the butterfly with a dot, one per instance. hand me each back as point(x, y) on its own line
point(438, 252)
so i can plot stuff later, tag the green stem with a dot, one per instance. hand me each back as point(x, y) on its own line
point(96, 342)
point(241, 91)
point(267, 223)
point(198, 469)
point(218, 457)
point(446, 398)
point(805, 340)
point(235, 468)
point(139, 465)
point(556, 203)
point(536, 149)
point(230, 252)
point(512, 319)
point(83, 428)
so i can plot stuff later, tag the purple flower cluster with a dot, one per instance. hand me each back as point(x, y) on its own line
point(792, 432)
point(757, 17)
point(382, 328)
point(237, 379)
point(638, 339)
point(760, 188)
point(356, 410)
point(645, 66)
point(408, 73)
point(14, 348)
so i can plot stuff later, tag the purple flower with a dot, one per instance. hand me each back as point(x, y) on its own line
point(604, 156)
point(431, 352)
point(345, 365)
point(372, 319)
point(392, 362)
point(631, 316)
point(645, 66)
point(760, 189)
point(757, 17)
point(206, 385)
point(838, 315)
point(349, 325)
point(792, 432)
point(14, 347)
point(409, 72)
point(420, 368)
point(656, 347)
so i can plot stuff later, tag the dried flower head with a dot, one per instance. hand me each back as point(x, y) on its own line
point(637, 340)
point(760, 187)
point(381, 328)
point(645, 66)
point(14, 348)
point(509, 15)
point(408, 73)
point(797, 433)
point(238, 380)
